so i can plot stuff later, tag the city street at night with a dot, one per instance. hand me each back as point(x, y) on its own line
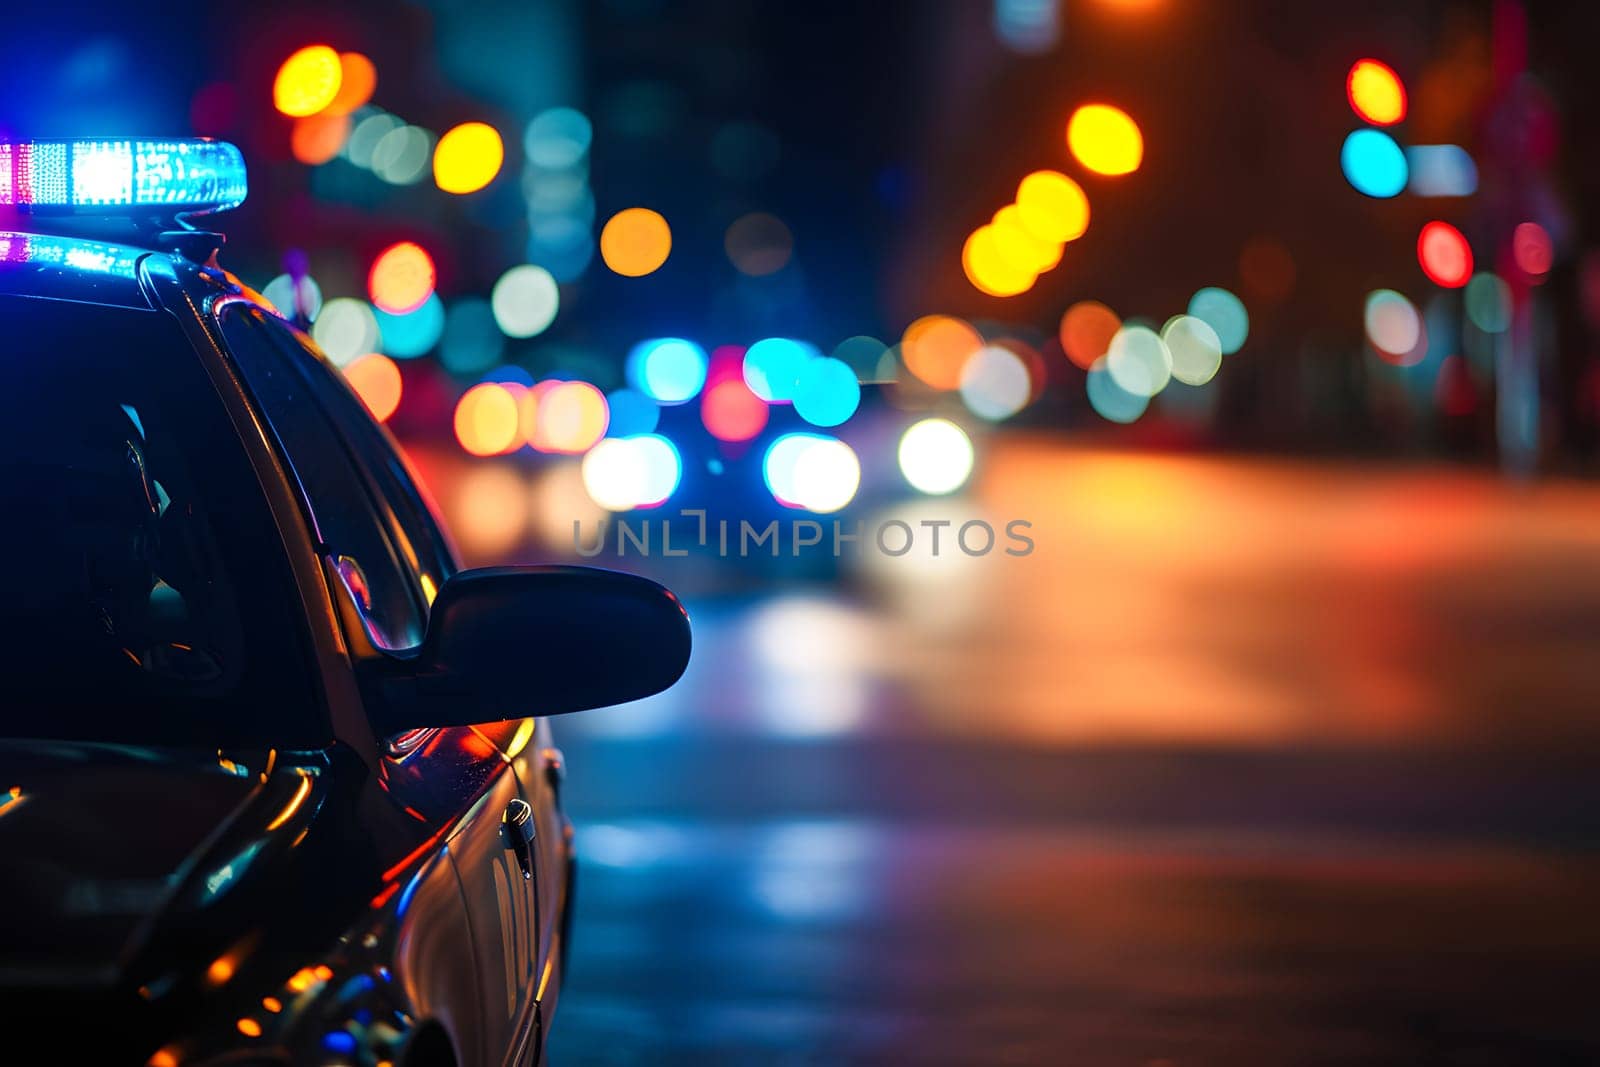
point(547, 533)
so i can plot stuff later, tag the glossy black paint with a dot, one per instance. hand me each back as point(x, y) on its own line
point(357, 902)
point(591, 637)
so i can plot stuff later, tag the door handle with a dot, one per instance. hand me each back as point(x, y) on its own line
point(516, 825)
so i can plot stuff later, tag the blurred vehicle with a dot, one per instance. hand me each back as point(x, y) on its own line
point(268, 791)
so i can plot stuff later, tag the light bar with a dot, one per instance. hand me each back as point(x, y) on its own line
point(121, 177)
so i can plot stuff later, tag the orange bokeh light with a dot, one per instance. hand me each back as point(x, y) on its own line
point(1086, 331)
point(1376, 92)
point(316, 139)
point(487, 420)
point(376, 380)
point(564, 417)
point(635, 242)
point(936, 347)
point(402, 278)
point(357, 81)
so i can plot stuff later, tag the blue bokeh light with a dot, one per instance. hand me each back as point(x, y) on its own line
point(772, 367)
point(1374, 164)
point(632, 412)
point(414, 334)
point(669, 370)
point(827, 392)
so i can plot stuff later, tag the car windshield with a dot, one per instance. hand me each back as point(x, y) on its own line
point(149, 600)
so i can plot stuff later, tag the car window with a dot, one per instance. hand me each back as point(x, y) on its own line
point(343, 512)
point(148, 597)
point(415, 526)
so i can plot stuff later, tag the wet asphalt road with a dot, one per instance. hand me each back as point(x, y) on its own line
point(1249, 763)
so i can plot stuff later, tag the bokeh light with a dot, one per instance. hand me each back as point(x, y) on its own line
point(415, 333)
point(558, 138)
point(772, 367)
point(1018, 244)
point(995, 383)
point(827, 392)
point(669, 370)
point(935, 456)
point(567, 417)
point(1532, 250)
point(376, 380)
point(345, 329)
point(468, 157)
point(731, 412)
point(623, 473)
point(1224, 313)
point(862, 353)
point(1394, 328)
point(1445, 256)
point(371, 127)
point(758, 244)
point(307, 82)
point(401, 156)
point(1086, 331)
point(401, 278)
point(1488, 301)
point(826, 475)
point(1195, 348)
point(472, 340)
point(1376, 92)
point(303, 299)
point(1138, 361)
point(316, 139)
point(632, 412)
point(490, 514)
point(487, 420)
point(811, 472)
point(1374, 164)
point(1109, 400)
point(1052, 206)
point(1441, 170)
point(989, 269)
point(935, 348)
point(635, 242)
point(1105, 140)
point(358, 79)
point(525, 301)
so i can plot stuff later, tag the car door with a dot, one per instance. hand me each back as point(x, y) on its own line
point(471, 784)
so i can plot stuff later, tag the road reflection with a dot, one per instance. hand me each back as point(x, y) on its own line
point(1249, 762)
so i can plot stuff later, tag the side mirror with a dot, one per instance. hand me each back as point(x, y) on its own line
point(504, 642)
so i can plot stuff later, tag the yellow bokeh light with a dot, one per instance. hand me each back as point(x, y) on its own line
point(468, 157)
point(402, 278)
point(1021, 246)
point(1052, 206)
point(308, 81)
point(1376, 93)
point(989, 269)
point(1105, 140)
point(635, 242)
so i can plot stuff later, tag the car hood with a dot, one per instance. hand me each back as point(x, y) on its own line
point(96, 840)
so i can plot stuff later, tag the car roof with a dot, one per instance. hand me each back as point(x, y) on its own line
point(72, 268)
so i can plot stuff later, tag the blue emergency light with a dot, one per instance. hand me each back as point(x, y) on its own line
point(121, 177)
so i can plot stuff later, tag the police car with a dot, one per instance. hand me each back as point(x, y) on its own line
point(272, 788)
